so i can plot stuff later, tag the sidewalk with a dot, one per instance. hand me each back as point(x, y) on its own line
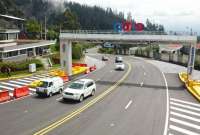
point(172, 68)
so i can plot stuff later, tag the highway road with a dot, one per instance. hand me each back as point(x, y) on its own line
point(138, 101)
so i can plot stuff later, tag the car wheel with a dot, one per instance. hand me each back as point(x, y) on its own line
point(93, 92)
point(81, 98)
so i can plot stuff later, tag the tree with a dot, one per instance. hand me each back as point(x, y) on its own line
point(33, 28)
point(70, 21)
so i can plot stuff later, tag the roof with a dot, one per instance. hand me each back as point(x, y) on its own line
point(5, 31)
point(26, 46)
point(84, 80)
point(12, 17)
point(170, 47)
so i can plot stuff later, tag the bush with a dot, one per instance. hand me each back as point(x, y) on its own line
point(77, 51)
point(55, 58)
point(21, 66)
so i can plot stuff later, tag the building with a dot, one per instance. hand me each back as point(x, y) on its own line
point(13, 49)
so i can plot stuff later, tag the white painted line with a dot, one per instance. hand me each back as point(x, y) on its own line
point(185, 106)
point(144, 73)
point(10, 84)
point(129, 103)
point(32, 89)
point(186, 102)
point(167, 104)
point(97, 80)
point(171, 134)
point(111, 71)
point(34, 77)
point(185, 111)
point(7, 88)
point(26, 81)
point(11, 94)
point(185, 123)
point(16, 82)
point(183, 131)
point(185, 116)
point(141, 84)
point(30, 79)
point(42, 76)
point(60, 98)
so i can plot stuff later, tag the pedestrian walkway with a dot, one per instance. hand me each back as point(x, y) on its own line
point(12, 84)
point(184, 118)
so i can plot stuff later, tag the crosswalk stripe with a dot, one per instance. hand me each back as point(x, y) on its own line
point(181, 130)
point(185, 116)
point(185, 111)
point(185, 106)
point(10, 84)
point(5, 87)
point(29, 79)
point(22, 80)
point(42, 76)
point(185, 123)
point(186, 102)
point(17, 82)
point(34, 77)
point(32, 89)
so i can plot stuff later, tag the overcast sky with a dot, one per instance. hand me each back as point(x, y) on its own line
point(179, 15)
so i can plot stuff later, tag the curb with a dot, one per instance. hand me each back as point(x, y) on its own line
point(192, 91)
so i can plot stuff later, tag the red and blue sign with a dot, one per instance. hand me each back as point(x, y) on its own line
point(128, 26)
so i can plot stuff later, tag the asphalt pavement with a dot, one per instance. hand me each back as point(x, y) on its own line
point(147, 102)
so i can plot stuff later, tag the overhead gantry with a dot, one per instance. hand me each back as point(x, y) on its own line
point(66, 39)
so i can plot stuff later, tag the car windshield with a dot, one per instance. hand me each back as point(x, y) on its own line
point(44, 84)
point(76, 86)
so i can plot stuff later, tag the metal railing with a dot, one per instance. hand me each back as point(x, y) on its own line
point(127, 33)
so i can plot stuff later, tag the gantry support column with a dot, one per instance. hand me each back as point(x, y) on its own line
point(191, 61)
point(66, 56)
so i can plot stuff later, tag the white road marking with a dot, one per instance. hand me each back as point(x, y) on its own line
point(181, 130)
point(141, 84)
point(26, 81)
point(19, 82)
point(97, 80)
point(185, 123)
point(58, 99)
point(111, 71)
point(171, 134)
point(186, 102)
point(185, 111)
point(129, 103)
point(32, 89)
point(7, 88)
point(30, 79)
point(34, 77)
point(185, 106)
point(10, 84)
point(167, 104)
point(185, 116)
point(144, 73)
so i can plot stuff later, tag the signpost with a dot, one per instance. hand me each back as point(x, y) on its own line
point(191, 60)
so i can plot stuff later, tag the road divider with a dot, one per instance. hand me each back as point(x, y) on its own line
point(83, 108)
point(21, 92)
point(193, 86)
point(4, 96)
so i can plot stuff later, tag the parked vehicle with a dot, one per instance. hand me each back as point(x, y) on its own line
point(80, 89)
point(119, 66)
point(50, 86)
point(118, 59)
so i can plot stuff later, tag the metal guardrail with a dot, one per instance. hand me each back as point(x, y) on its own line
point(113, 32)
point(127, 33)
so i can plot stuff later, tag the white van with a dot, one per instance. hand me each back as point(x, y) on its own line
point(50, 86)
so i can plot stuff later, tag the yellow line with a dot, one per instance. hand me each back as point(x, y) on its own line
point(83, 108)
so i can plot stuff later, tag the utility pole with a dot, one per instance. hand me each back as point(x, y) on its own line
point(41, 30)
point(45, 23)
